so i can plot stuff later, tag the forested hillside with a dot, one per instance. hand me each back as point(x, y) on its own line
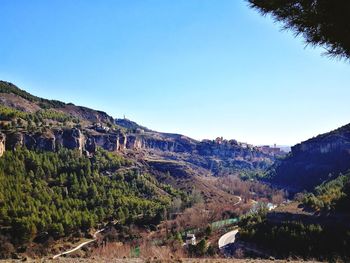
point(315, 225)
point(332, 196)
point(56, 194)
point(66, 171)
point(297, 238)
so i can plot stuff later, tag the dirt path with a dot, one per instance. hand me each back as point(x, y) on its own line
point(79, 246)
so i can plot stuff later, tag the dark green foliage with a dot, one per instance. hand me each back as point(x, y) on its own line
point(296, 238)
point(198, 250)
point(7, 114)
point(330, 196)
point(64, 192)
point(40, 116)
point(321, 22)
point(208, 230)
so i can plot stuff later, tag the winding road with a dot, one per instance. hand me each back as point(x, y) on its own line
point(230, 237)
point(227, 239)
point(79, 246)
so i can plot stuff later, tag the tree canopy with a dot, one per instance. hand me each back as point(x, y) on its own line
point(321, 22)
point(61, 193)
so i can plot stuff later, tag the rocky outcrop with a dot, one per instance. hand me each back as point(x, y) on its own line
point(45, 142)
point(2, 144)
point(314, 161)
point(73, 139)
point(216, 157)
point(122, 135)
point(14, 140)
point(108, 142)
point(121, 143)
point(90, 146)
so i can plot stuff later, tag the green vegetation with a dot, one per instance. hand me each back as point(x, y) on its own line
point(295, 238)
point(330, 196)
point(307, 236)
point(9, 114)
point(320, 22)
point(60, 193)
point(199, 250)
point(6, 87)
point(252, 174)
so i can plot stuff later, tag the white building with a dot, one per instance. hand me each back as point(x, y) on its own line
point(190, 239)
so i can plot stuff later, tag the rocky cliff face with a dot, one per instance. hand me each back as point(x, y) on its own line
point(315, 160)
point(41, 124)
point(2, 144)
point(207, 154)
point(218, 157)
point(45, 142)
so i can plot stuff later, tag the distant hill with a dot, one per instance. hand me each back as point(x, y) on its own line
point(314, 161)
point(13, 97)
point(46, 124)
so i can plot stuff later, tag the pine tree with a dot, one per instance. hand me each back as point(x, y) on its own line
point(323, 23)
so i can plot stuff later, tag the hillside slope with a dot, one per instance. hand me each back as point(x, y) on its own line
point(43, 124)
point(314, 161)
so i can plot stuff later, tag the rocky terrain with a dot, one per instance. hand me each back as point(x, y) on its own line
point(91, 129)
point(314, 161)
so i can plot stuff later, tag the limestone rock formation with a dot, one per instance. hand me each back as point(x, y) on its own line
point(73, 139)
point(43, 124)
point(2, 144)
point(14, 140)
point(45, 142)
point(314, 161)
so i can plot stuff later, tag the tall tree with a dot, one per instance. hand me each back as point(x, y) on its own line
point(323, 23)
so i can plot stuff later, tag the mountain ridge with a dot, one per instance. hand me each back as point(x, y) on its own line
point(314, 161)
point(90, 129)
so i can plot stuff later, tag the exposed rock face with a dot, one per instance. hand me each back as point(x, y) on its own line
point(40, 142)
point(324, 144)
point(219, 158)
point(73, 139)
point(46, 143)
point(2, 144)
point(311, 162)
point(68, 138)
point(207, 154)
point(90, 145)
point(108, 142)
point(121, 143)
point(128, 137)
point(14, 140)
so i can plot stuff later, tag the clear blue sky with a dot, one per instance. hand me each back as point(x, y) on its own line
point(204, 68)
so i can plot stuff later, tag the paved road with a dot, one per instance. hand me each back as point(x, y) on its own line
point(230, 237)
point(79, 246)
point(227, 239)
